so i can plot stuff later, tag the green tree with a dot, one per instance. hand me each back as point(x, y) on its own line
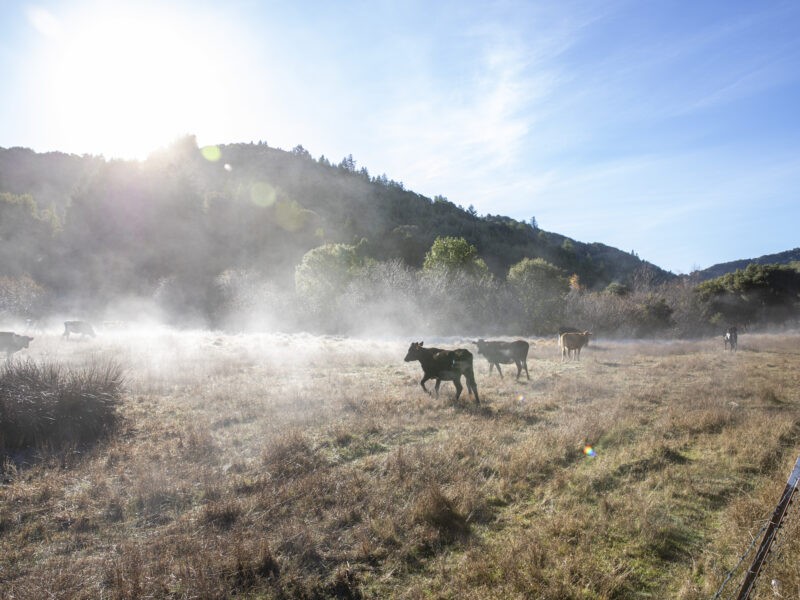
point(766, 293)
point(616, 289)
point(654, 315)
point(455, 254)
point(25, 235)
point(540, 288)
point(325, 271)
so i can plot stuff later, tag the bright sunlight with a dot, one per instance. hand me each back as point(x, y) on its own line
point(129, 80)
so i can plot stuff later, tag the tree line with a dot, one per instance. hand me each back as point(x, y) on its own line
point(246, 235)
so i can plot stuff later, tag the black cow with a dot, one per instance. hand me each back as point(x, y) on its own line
point(731, 338)
point(506, 353)
point(447, 365)
point(81, 327)
point(11, 342)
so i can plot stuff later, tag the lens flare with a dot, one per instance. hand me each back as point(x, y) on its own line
point(521, 398)
point(262, 194)
point(211, 153)
point(588, 451)
point(290, 215)
point(227, 167)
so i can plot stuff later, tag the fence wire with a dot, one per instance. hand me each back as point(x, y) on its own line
point(774, 549)
point(756, 537)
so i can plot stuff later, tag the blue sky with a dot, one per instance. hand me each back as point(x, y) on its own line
point(668, 128)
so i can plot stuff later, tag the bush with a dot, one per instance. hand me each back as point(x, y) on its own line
point(47, 406)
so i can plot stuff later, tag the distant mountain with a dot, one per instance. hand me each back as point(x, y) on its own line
point(712, 272)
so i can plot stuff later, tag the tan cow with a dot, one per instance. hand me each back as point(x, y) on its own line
point(570, 344)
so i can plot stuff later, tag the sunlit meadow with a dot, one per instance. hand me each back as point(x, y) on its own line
point(277, 466)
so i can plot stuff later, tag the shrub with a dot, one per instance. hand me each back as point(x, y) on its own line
point(46, 406)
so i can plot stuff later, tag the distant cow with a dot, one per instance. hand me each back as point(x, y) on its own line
point(447, 365)
point(11, 342)
point(506, 353)
point(563, 330)
point(571, 344)
point(731, 339)
point(81, 327)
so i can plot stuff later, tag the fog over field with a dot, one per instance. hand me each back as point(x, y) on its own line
point(296, 465)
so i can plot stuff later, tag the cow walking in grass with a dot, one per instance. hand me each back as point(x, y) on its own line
point(506, 353)
point(570, 344)
point(82, 327)
point(10, 342)
point(447, 365)
point(731, 339)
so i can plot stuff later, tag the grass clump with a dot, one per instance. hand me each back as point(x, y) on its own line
point(44, 405)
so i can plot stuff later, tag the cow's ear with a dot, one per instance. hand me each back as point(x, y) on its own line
point(420, 344)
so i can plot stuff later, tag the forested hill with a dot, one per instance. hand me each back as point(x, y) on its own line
point(265, 207)
point(781, 258)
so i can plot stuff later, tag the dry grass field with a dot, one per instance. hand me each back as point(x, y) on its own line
point(269, 466)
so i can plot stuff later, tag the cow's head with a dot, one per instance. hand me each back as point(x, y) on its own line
point(24, 340)
point(414, 351)
point(481, 344)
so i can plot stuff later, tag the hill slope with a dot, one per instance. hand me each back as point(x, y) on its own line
point(718, 270)
point(309, 202)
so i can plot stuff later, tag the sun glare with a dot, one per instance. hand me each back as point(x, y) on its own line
point(125, 82)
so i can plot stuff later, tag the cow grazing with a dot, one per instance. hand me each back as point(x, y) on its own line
point(731, 339)
point(570, 344)
point(82, 327)
point(506, 353)
point(11, 342)
point(447, 365)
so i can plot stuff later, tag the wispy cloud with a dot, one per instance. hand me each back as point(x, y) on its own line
point(44, 21)
point(481, 129)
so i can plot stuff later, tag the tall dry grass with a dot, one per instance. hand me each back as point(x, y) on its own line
point(305, 467)
point(43, 405)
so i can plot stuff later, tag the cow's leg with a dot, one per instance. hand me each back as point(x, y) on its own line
point(525, 364)
point(519, 368)
point(459, 387)
point(438, 383)
point(469, 375)
point(422, 383)
point(499, 371)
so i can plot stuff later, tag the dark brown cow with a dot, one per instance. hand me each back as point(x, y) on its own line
point(447, 365)
point(731, 338)
point(10, 342)
point(82, 327)
point(506, 353)
point(571, 344)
